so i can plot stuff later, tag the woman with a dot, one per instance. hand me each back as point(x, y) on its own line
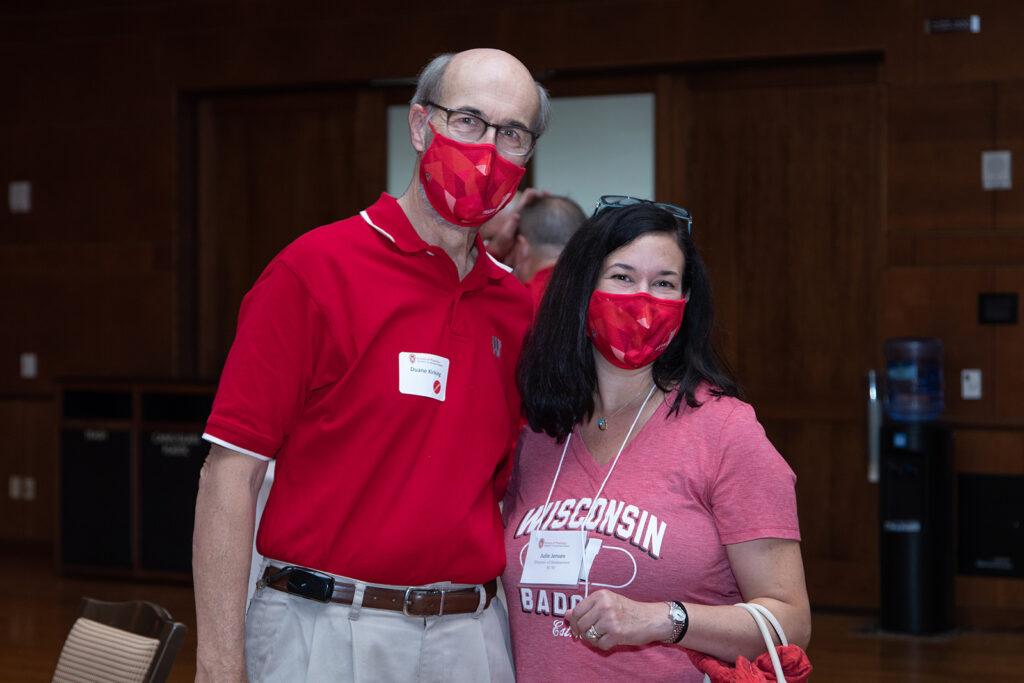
point(642, 469)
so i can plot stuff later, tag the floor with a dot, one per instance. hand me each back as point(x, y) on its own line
point(37, 608)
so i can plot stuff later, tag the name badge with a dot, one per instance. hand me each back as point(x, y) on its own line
point(422, 374)
point(553, 557)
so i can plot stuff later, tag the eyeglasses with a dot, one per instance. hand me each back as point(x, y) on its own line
point(617, 201)
point(466, 127)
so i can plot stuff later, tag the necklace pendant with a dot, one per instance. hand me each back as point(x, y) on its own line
point(602, 424)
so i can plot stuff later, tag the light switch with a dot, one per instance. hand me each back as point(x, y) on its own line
point(996, 170)
point(29, 366)
point(14, 487)
point(28, 488)
point(970, 384)
point(19, 196)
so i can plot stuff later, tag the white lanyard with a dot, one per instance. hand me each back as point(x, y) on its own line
point(583, 526)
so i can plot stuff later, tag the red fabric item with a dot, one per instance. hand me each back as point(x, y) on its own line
point(631, 330)
point(467, 183)
point(795, 665)
point(538, 285)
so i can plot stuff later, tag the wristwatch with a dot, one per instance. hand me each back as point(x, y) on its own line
point(680, 621)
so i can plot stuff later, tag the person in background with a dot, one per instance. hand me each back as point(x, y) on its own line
point(545, 226)
point(646, 500)
point(374, 363)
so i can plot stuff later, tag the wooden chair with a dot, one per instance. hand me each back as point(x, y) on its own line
point(119, 641)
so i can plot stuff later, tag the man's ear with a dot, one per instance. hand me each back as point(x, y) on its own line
point(418, 127)
point(521, 250)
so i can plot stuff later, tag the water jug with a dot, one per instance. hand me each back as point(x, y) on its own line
point(913, 387)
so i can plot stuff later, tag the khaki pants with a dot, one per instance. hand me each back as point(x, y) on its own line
point(289, 638)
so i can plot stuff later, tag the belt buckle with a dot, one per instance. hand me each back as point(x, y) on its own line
point(406, 602)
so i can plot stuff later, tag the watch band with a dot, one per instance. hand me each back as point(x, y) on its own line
point(679, 627)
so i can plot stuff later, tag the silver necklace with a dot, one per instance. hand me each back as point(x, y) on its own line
point(602, 423)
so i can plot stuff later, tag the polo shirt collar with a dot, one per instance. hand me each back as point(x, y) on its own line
point(387, 217)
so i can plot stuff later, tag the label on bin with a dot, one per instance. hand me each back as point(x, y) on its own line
point(902, 526)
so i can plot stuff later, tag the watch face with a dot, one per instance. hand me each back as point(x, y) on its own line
point(677, 614)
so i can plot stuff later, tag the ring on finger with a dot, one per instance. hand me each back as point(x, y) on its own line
point(592, 633)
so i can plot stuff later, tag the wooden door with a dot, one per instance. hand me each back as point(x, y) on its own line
point(783, 174)
point(271, 166)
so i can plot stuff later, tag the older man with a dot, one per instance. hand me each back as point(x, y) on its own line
point(375, 361)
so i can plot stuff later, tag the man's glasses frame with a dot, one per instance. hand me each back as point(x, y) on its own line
point(617, 201)
point(498, 128)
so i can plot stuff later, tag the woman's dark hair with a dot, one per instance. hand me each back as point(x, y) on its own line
point(556, 373)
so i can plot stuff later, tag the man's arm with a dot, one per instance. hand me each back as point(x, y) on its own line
point(229, 484)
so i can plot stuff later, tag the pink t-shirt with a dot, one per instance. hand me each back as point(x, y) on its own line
point(683, 488)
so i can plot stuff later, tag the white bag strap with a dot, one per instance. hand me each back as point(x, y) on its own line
point(771, 620)
point(760, 614)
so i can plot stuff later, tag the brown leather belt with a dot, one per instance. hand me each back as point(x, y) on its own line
point(412, 601)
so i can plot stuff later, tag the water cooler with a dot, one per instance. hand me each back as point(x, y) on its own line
point(916, 495)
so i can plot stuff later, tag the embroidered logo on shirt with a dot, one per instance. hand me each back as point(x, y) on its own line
point(496, 345)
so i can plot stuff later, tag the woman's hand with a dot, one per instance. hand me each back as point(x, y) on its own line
point(619, 621)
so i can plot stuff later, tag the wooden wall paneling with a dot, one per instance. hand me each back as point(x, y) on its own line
point(990, 451)
point(794, 231)
point(673, 113)
point(987, 602)
point(834, 223)
point(992, 54)
point(786, 173)
point(838, 509)
point(87, 272)
point(936, 136)
point(105, 183)
point(84, 322)
point(991, 248)
point(218, 44)
point(272, 166)
point(943, 302)
point(1010, 136)
point(1006, 384)
point(666, 31)
point(737, 166)
point(28, 427)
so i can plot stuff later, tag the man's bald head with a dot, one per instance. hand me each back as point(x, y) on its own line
point(550, 221)
point(484, 78)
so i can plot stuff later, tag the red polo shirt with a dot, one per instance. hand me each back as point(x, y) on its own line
point(372, 481)
point(538, 284)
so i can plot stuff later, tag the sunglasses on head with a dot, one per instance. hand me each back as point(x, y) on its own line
point(617, 201)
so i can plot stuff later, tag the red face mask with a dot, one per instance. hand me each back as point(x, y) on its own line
point(631, 330)
point(467, 183)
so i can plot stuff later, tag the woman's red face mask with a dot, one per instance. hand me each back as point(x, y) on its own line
point(631, 330)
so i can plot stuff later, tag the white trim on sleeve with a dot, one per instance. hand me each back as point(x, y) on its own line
point(233, 447)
